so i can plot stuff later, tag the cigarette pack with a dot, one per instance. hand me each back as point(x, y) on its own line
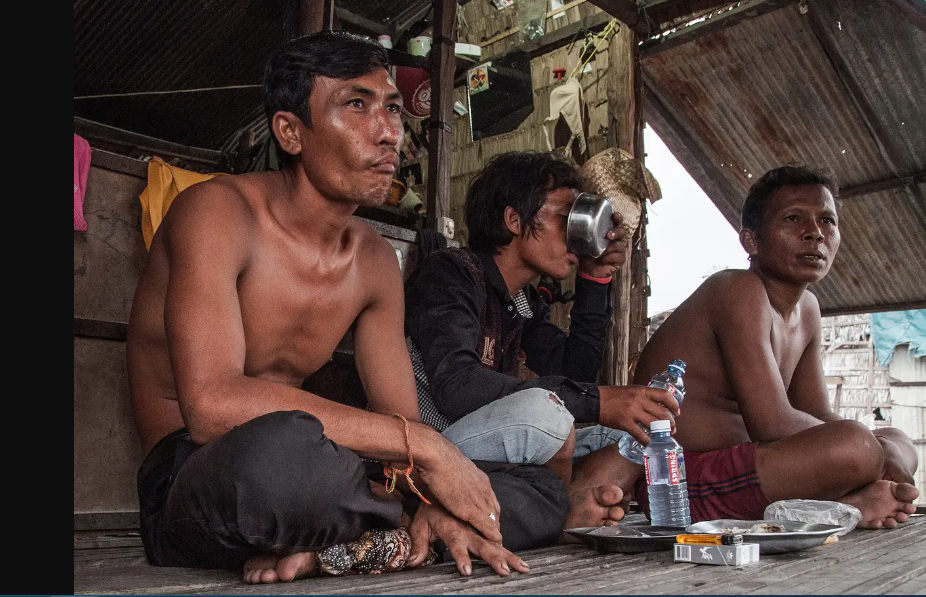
point(719, 555)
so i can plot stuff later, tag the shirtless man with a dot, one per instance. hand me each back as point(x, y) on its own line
point(756, 423)
point(251, 282)
point(472, 315)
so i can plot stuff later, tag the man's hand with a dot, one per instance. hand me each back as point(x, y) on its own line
point(458, 485)
point(613, 257)
point(433, 522)
point(628, 407)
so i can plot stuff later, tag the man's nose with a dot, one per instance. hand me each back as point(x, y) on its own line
point(390, 130)
point(813, 232)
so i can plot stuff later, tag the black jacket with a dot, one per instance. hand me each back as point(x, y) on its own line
point(471, 334)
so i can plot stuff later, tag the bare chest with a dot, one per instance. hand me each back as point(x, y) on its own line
point(294, 315)
point(788, 342)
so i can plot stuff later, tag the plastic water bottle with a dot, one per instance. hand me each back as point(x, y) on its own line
point(666, 481)
point(671, 380)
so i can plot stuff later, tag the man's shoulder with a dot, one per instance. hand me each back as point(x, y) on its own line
point(732, 286)
point(221, 202)
point(452, 260)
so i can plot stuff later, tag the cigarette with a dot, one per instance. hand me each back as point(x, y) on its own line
point(709, 539)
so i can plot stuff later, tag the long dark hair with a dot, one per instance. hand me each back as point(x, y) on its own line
point(519, 179)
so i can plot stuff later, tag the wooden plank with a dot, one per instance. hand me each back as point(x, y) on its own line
point(105, 330)
point(868, 562)
point(84, 521)
point(110, 135)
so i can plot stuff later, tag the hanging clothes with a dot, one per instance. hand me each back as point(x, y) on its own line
point(566, 101)
point(81, 171)
point(165, 182)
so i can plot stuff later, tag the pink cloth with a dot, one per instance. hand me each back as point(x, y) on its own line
point(81, 170)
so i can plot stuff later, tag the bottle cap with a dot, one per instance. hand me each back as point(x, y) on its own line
point(660, 426)
point(678, 364)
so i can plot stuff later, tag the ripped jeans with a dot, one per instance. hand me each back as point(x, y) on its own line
point(527, 427)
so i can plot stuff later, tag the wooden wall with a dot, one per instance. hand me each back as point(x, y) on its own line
point(608, 92)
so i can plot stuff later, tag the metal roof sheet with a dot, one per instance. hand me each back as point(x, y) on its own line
point(838, 85)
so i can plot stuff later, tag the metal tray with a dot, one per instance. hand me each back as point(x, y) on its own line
point(627, 537)
point(797, 535)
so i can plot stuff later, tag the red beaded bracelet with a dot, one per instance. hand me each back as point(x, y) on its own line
point(594, 279)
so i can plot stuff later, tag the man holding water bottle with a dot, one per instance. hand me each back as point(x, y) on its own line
point(757, 426)
point(472, 318)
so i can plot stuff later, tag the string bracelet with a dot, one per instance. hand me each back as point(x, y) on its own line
point(594, 279)
point(391, 472)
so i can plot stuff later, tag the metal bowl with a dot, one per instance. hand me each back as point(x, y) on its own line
point(590, 219)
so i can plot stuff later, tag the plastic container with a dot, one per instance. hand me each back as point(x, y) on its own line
point(815, 512)
point(385, 41)
point(666, 481)
point(672, 380)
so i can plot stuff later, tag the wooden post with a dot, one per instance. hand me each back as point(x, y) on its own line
point(639, 281)
point(443, 68)
point(315, 15)
point(622, 130)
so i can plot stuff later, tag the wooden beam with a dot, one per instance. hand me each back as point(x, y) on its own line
point(908, 306)
point(624, 11)
point(639, 254)
point(367, 25)
point(440, 151)
point(716, 23)
point(622, 130)
point(656, 13)
point(913, 11)
point(314, 16)
point(879, 186)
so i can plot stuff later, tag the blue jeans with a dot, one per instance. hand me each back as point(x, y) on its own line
point(527, 427)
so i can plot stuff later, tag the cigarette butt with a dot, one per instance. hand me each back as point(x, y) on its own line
point(709, 539)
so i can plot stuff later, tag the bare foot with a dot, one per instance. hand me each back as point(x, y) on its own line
point(273, 568)
point(595, 506)
point(883, 503)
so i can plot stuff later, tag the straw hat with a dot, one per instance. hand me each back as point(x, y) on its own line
point(615, 174)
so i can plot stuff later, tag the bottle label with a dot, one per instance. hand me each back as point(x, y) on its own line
point(649, 481)
point(667, 387)
point(674, 477)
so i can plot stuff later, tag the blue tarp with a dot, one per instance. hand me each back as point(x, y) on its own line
point(893, 328)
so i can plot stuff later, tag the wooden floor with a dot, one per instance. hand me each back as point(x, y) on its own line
point(862, 562)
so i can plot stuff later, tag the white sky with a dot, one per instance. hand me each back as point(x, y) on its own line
point(688, 238)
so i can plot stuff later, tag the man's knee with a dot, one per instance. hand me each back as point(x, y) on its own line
point(853, 450)
point(286, 457)
point(542, 429)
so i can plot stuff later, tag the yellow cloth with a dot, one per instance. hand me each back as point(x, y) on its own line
point(164, 183)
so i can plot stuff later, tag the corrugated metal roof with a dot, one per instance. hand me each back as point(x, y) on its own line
point(838, 85)
point(217, 48)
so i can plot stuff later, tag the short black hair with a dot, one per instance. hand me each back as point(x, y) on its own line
point(790, 175)
point(519, 179)
point(289, 75)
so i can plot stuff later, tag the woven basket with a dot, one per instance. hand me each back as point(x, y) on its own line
point(615, 174)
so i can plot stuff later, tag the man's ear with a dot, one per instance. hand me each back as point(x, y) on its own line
point(512, 221)
point(287, 131)
point(749, 240)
